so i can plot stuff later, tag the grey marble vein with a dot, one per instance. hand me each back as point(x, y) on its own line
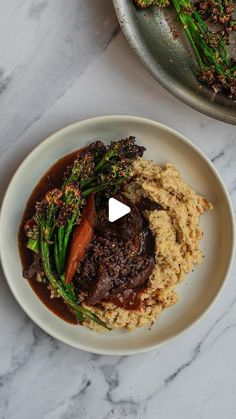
point(62, 56)
point(75, 400)
point(19, 5)
point(170, 379)
point(226, 330)
point(218, 156)
point(114, 34)
point(198, 348)
point(36, 10)
point(124, 408)
point(4, 80)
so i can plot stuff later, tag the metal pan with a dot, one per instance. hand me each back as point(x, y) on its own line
point(169, 60)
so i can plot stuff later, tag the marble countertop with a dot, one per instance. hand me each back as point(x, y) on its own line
point(63, 61)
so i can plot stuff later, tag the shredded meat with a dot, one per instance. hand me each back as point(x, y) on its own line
point(120, 257)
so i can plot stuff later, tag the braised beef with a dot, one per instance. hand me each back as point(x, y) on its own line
point(120, 257)
point(145, 204)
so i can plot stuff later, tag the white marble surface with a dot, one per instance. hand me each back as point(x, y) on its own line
point(62, 61)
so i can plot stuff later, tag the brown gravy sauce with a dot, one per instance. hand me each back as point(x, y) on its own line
point(130, 300)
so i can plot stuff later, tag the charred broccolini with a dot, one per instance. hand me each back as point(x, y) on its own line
point(146, 3)
point(216, 68)
point(143, 3)
point(97, 168)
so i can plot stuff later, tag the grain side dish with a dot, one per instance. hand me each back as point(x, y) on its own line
point(105, 275)
point(176, 228)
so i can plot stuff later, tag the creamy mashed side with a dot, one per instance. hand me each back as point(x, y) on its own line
point(176, 228)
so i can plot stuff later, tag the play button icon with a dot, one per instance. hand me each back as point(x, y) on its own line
point(116, 209)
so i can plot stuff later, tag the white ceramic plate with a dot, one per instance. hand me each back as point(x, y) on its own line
point(202, 286)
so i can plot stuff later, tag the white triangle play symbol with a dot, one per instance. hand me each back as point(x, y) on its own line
point(116, 209)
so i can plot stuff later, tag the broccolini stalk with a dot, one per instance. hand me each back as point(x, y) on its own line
point(198, 34)
point(81, 312)
point(68, 216)
point(51, 205)
point(72, 203)
point(217, 70)
point(83, 178)
point(109, 173)
point(60, 210)
point(117, 159)
point(209, 48)
point(45, 223)
point(45, 218)
point(33, 237)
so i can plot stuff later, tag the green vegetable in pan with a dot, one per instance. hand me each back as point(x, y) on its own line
point(216, 68)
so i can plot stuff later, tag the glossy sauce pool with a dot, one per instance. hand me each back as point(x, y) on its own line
point(52, 179)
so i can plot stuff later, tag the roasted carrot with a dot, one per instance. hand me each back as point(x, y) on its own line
point(81, 237)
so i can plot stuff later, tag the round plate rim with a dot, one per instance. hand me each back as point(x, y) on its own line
point(118, 118)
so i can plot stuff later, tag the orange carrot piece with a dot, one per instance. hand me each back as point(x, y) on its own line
point(81, 237)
